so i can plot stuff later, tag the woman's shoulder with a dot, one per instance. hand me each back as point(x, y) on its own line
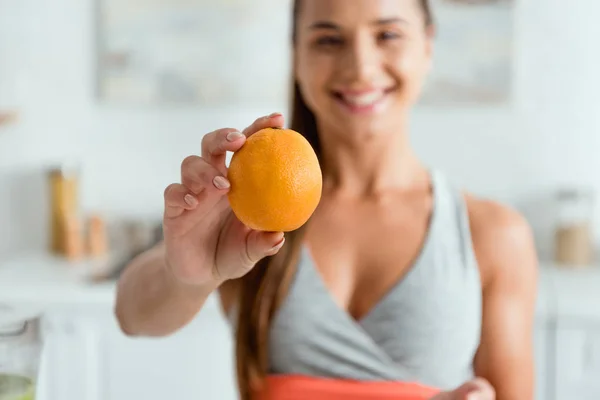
point(502, 239)
point(492, 217)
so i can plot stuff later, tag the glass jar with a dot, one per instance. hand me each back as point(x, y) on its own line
point(64, 210)
point(20, 354)
point(573, 234)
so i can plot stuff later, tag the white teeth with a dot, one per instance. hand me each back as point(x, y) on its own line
point(364, 100)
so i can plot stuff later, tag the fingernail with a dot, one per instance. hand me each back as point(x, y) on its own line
point(233, 136)
point(277, 246)
point(275, 114)
point(221, 182)
point(190, 200)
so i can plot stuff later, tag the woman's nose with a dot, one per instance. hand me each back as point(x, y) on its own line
point(360, 61)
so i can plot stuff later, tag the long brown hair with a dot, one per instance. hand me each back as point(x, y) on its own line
point(262, 289)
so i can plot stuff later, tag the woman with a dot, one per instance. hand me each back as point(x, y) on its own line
point(397, 276)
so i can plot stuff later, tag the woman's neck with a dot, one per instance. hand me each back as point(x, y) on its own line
point(370, 165)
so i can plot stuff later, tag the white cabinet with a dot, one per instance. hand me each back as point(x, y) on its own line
point(196, 362)
point(577, 362)
point(86, 357)
point(567, 357)
point(540, 350)
point(70, 359)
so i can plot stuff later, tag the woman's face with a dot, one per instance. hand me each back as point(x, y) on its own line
point(360, 64)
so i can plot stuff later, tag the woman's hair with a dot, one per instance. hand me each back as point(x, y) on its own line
point(262, 289)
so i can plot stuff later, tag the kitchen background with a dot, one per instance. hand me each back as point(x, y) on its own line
point(545, 138)
point(548, 137)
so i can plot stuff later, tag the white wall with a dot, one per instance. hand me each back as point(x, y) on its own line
point(129, 155)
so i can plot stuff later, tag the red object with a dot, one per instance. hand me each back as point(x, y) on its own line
point(296, 387)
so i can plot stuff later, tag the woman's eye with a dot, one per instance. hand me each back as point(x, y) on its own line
point(388, 35)
point(329, 41)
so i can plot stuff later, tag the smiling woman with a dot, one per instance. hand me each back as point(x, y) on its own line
point(399, 279)
point(329, 52)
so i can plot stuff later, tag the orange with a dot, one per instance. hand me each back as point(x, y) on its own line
point(275, 180)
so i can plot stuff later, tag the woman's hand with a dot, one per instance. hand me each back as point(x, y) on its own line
point(205, 242)
point(477, 389)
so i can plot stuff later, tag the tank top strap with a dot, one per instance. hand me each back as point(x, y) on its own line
point(454, 214)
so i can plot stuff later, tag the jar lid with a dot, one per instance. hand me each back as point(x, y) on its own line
point(67, 168)
point(14, 320)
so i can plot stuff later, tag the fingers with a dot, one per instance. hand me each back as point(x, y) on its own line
point(202, 185)
point(262, 244)
point(202, 178)
point(199, 176)
point(177, 200)
point(477, 389)
point(274, 120)
point(215, 145)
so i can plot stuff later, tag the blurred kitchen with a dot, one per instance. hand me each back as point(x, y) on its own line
point(100, 100)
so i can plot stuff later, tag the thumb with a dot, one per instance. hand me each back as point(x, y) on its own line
point(262, 244)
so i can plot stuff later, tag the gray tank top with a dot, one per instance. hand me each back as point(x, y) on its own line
point(425, 329)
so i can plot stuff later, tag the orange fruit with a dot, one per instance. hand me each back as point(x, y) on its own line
point(275, 180)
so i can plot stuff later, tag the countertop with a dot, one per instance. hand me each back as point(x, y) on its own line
point(46, 281)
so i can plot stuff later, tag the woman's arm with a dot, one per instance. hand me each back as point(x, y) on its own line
point(506, 254)
point(151, 301)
